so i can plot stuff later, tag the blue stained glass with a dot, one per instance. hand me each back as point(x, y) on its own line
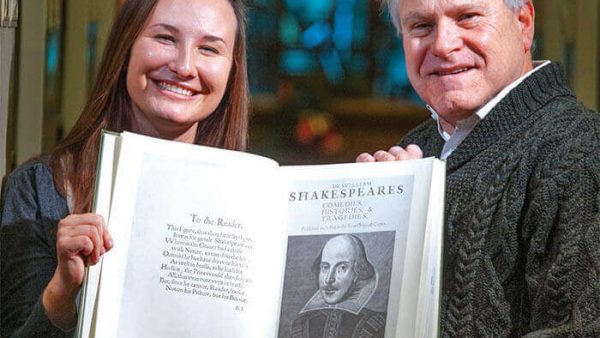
point(316, 34)
point(361, 23)
point(53, 51)
point(289, 30)
point(264, 3)
point(91, 47)
point(342, 34)
point(394, 79)
point(317, 9)
point(332, 65)
point(346, 55)
point(310, 10)
point(360, 64)
point(295, 5)
point(342, 42)
point(396, 68)
point(263, 25)
point(297, 62)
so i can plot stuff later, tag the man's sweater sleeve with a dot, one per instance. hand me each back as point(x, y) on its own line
point(562, 225)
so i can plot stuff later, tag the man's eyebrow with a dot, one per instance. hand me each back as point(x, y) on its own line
point(412, 16)
point(459, 8)
point(342, 262)
point(468, 7)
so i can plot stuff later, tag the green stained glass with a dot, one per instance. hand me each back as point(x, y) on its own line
point(289, 30)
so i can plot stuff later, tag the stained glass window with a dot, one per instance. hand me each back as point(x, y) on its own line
point(348, 47)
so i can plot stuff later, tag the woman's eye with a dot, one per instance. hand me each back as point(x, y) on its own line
point(165, 37)
point(208, 49)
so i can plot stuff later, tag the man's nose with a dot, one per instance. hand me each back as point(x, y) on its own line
point(330, 277)
point(183, 62)
point(446, 39)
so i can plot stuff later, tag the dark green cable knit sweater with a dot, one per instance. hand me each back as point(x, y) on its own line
point(522, 242)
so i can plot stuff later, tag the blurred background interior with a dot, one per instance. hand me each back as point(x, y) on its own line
point(327, 76)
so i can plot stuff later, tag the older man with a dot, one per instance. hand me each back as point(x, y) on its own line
point(522, 246)
point(347, 281)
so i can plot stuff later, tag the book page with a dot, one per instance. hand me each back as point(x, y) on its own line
point(427, 314)
point(372, 215)
point(106, 166)
point(198, 238)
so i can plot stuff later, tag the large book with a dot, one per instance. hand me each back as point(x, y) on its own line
point(218, 243)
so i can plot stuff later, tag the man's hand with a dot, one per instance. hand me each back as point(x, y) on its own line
point(395, 153)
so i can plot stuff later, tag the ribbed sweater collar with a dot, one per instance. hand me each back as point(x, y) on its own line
point(519, 105)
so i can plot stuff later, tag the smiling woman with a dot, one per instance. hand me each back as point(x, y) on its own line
point(179, 67)
point(171, 69)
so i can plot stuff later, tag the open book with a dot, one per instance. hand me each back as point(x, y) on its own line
point(218, 243)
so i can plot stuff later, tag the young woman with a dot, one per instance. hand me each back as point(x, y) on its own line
point(171, 69)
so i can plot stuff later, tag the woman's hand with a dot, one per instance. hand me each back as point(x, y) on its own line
point(395, 153)
point(80, 240)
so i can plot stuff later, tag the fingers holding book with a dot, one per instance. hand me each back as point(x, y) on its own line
point(81, 240)
point(395, 153)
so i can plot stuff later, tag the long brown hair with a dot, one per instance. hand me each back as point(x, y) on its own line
point(73, 161)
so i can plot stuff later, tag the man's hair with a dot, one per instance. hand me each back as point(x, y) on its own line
point(362, 267)
point(392, 6)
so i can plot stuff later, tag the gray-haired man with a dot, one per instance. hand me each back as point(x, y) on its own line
point(522, 246)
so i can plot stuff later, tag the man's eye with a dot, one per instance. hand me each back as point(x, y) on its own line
point(468, 18)
point(421, 29)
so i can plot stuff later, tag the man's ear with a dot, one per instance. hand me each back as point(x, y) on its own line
point(526, 17)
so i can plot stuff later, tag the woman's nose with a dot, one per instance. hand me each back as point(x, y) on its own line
point(184, 62)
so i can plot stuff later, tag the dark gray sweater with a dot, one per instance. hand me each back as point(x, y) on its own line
point(31, 209)
point(522, 241)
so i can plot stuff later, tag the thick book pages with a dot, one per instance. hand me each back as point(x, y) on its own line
point(218, 243)
point(102, 197)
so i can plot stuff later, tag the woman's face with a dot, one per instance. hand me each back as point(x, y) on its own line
point(179, 66)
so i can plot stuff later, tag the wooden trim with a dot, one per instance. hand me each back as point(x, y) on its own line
point(30, 87)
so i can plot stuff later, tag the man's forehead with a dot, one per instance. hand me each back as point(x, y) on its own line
point(338, 248)
point(421, 7)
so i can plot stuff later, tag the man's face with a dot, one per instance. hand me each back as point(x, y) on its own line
point(337, 275)
point(461, 53)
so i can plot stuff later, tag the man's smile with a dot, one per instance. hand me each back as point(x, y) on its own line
point(451, 71)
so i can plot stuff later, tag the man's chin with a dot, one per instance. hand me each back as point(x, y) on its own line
point(331, 297)
point(332, 301)
point(453, 109)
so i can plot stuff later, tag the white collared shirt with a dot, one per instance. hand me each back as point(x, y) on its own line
point(464, 127)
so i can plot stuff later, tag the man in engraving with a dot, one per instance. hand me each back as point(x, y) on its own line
point(347, 281)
